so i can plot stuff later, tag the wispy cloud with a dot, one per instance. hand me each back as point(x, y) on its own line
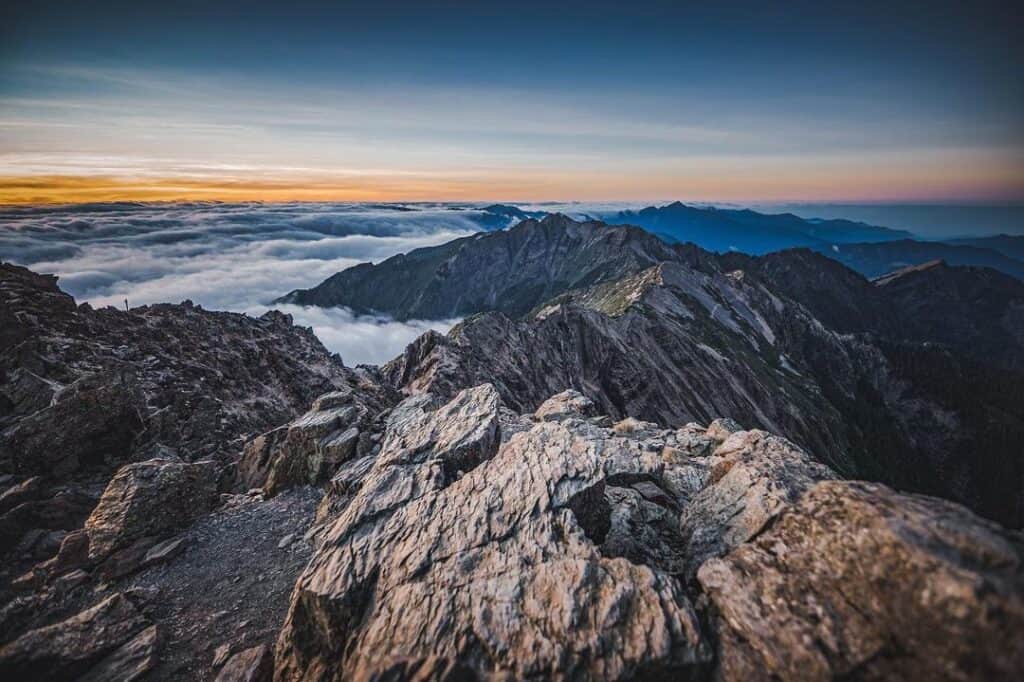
point(237, 136)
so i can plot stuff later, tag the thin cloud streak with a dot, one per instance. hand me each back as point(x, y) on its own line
point(235, 136)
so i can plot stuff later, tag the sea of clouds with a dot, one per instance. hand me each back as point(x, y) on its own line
point(237, 257)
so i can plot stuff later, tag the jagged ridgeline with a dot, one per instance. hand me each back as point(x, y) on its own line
point(913, 380)
point(631, 460)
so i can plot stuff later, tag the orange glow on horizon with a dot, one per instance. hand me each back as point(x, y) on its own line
point(533, 186)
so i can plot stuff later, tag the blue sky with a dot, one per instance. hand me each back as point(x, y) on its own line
point(633, 101)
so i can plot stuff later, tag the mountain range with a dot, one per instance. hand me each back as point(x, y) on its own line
point(869, 249)
point(722, 229)
point(633, 459)
point(791, 341)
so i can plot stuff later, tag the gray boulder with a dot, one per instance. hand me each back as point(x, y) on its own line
point(858, 581)
point(463, 554)
point(150, 499)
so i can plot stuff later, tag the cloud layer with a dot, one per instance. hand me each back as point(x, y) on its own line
point(234, 256)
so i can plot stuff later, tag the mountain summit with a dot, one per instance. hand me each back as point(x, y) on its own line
point(511, 270)
point(792, 342)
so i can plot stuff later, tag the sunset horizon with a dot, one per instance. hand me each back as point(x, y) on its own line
point(410, 102)
point(70, 189)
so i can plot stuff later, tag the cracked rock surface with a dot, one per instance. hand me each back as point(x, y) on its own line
point(858, 581)
point(558, 545)
point(490, 564)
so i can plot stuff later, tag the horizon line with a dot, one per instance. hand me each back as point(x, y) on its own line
point(55, 190)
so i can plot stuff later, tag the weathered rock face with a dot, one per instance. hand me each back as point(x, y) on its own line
point(113, 384)
point(458, 554)
point(856, 580)
point(112, 637)
point(340, 426)
point(150, 499)
point(754, 476)
point(91, 422)
point(568, 546)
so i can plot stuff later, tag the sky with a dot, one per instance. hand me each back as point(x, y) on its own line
point(384, 101)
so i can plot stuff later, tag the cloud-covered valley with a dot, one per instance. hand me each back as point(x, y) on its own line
point(235, 257)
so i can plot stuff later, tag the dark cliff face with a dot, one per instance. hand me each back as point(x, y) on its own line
point(169, 377)
point(669, 345)
point(975, 312)
point(978, 312)
point(510, 271)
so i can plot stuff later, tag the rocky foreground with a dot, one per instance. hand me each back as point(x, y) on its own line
point(472, 541)
point(313, 522)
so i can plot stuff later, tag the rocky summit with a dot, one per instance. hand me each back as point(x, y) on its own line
point(631, 460)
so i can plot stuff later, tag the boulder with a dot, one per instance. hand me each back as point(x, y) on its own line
point(722, 428)
point(164, 551)
point(754, 475)
point(131, 661)
point(309, 449)
point(693, 440)
point(252, 665)
point(150, 499)
point(858, 581)
point(462, 554)
point(570, 403)
point(73, 554)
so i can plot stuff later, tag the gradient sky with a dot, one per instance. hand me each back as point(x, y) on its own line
point(587, 101)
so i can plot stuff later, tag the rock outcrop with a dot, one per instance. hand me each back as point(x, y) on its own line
point(86, 394)
point(753, 477)
point(116, 384)
point(150, 500)
point(339, 426)
point(83, 392)
point(111, 637)
point(855, 580)
point(567, 545)
point(498, 548)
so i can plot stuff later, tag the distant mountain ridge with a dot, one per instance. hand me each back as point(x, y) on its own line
point(792, 341)
point(723, 230)
point(1011, 246)
point(871, 250)
point(511, 271)
point(875, 260)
